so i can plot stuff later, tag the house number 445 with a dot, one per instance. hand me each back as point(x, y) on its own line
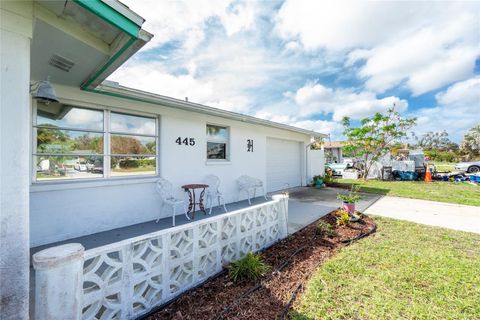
point(186, 141)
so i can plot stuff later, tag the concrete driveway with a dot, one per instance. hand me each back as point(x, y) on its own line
point(439, 214)
point(309, 204)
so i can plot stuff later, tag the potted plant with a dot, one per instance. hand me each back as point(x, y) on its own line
point(317, 181)
point(350, 199)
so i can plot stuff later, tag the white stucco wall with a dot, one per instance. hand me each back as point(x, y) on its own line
point(66, 210)
point(315, 163)
point(15, 35)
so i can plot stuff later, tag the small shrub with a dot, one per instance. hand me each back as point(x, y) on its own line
point(129, 163)
point(146, 162)
point(250, 267)
point(326, 229)
point(343, 218)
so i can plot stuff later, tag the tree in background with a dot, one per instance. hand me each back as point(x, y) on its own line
point(316, 144)
point(438, 147)
point(436, 141)
point(470, 145)
point(375, 136)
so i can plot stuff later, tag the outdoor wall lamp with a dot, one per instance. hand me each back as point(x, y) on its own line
point(43, 91)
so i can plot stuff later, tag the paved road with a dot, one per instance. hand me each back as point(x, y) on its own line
point(439, 214)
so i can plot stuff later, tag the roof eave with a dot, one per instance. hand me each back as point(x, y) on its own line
point(138, 95)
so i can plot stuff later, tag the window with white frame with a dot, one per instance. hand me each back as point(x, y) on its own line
point(73, 143)
point(217, 142)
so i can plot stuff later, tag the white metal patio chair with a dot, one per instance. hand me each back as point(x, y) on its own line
point(165, 190)
point(213, 192)
point(247, 184)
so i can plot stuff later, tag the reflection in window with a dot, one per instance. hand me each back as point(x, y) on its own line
point(128, 165)
point(217, 139)
point(123, 144)
point(69, 142)
point(52, 140)
point(125, 123)
point(133, 146)
point(57, 115)
point(68, 167)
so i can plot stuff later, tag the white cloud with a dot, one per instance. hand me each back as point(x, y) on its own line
point(314, 98)
point(324, 126)
point(186, 20)
point(341, 25)
point(240, 17)
point(458, 110)
point(466, 93)
point(427, 60)
point(422, 45)
point(275, 117)
point(219, 75)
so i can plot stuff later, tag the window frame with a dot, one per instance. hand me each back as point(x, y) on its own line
point(227, 143)
point(106, 145)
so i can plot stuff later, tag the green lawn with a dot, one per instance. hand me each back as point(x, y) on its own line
point(452, 192)
point(404, 271)
point(444, 166)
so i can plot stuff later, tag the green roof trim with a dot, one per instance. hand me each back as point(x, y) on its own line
point(107, 13)
point(110, 61)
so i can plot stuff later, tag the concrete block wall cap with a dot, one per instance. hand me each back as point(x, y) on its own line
point(58, 256)
point(279, 196)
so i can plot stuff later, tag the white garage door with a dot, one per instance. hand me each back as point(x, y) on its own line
point(283, 164)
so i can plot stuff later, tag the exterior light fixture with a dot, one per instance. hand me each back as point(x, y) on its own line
point(43, 91)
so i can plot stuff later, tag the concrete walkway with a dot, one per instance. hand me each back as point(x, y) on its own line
point(439, 214)
point(309, 204)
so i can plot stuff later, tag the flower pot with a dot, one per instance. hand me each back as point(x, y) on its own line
point(350, 207)
point(318, 183)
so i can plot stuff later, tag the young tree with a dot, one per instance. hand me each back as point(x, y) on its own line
point(375, 135)
point(471, 142)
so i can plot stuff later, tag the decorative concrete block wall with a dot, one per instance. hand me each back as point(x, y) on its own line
point(127, 279)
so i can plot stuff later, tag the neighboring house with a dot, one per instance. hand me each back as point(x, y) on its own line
point(119, 140)
point(333, 151)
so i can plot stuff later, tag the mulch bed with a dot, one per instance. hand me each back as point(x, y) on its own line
point(292, 261)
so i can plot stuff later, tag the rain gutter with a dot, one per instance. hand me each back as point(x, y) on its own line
point(137, 39)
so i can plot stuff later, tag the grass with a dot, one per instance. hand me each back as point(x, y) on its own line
point(444, 166)
point(137, 169)
point(452, 192)
point(404, 271)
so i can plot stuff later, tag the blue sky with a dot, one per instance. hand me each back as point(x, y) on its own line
point(309, 63)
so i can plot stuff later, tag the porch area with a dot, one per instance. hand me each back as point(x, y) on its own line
point(159, 262)
point(305, 205)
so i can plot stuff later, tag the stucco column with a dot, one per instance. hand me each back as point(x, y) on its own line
point(15, 36)
point(59, 282)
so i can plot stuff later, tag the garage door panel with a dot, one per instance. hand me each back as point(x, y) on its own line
point(283, 164)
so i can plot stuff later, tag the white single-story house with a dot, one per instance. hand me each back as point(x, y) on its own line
point(88, 162)
point(333, 151)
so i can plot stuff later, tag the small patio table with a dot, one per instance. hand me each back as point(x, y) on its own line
point(190, 188)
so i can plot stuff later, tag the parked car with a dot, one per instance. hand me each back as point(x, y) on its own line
point(80, 166)
point(337, 168)
point(95, 166)
point(470, 167)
